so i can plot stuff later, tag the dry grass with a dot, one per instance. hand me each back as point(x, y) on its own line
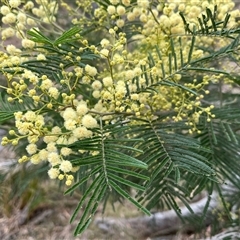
point(50, 219)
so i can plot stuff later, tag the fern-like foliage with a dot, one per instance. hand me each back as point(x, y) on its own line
point(224, 142)
point(106, 171)
point(7, 109)
point(173, 159)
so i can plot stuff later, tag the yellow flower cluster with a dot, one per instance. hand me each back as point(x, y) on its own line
point(19, 17)
point(129, 78)
point(33, 127)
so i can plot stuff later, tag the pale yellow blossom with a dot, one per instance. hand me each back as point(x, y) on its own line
point(107, 81)
point(70, 124)
point(111, 9)
point(53, 173)
point(31, 148)
point(35, 159)
point(51, 147)
point(81, 132)
point(89, 122)
point(92, 71)
point(104, 43)
point(54, 158)
point(121, 10)
point(26, 43)
point(14, 3)
point(96, 85)
point(69, 113)
point(5, 10)
point(65, 151)
point(65, 166)
point(41, 57)
point(53, 92)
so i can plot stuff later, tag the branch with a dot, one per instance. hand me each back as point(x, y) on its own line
point(161, 223)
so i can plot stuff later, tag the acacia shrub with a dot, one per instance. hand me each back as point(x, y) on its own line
point(121, 97)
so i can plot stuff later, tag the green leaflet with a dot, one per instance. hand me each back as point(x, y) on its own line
point(90, 209)
point(103, 3)
point(127, 172)
point(8, 109)
point(121, 180)
point(123, 147)
point(39, 37)
point(162, 66)
point(123, 159)
point(4, 116)
point(191, 49)
point(76, 185)
point(96, 184)
point(89, 160)
point(127, 196)
point(160, 167)
point(67, 36)
point(177, 175)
